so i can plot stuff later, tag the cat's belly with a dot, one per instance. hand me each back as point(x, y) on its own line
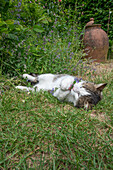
point(49, 82)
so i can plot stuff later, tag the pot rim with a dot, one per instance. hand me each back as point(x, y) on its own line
point(94, 25)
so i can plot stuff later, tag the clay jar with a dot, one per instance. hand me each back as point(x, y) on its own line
point(96, 43)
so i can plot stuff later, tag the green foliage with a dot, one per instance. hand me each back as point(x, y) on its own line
point(28, 12)
point(101, 11)
point(17, 38)
point(4, 5)
point(34, 45)
point(10, 31)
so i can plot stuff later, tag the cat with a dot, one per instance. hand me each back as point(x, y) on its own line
point(82, 94)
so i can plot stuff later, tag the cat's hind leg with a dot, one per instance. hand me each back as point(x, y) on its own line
point(31, 78)
point(25, 88)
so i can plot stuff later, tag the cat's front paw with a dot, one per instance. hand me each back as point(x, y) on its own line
point(66, 83)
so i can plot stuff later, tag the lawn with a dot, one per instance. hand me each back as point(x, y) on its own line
point(39, 132)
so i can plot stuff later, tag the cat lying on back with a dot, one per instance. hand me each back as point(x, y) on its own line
point(67, 88)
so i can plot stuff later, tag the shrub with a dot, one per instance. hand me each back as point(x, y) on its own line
point(37, 46)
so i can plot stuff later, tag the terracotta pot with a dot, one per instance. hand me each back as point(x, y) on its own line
point(96, 42)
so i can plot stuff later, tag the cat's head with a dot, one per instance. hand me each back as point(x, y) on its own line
point(90, 94)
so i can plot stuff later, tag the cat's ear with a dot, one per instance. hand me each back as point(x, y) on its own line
point(101, 86)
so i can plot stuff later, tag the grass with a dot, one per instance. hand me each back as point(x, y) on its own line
point(39, 132)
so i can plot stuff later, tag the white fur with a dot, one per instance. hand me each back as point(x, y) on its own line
point(29, 77)
point(60, 85)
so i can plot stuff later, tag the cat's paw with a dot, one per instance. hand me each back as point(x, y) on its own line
point(23, 88)
point(66, 83)
point(30, 78)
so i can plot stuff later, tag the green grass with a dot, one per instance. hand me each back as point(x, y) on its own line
point(39, 132)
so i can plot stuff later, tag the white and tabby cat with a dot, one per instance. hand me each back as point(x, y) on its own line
point(67, 88)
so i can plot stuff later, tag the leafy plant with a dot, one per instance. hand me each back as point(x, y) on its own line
point(33, 49)
point(28, 12)
point(14, 34)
